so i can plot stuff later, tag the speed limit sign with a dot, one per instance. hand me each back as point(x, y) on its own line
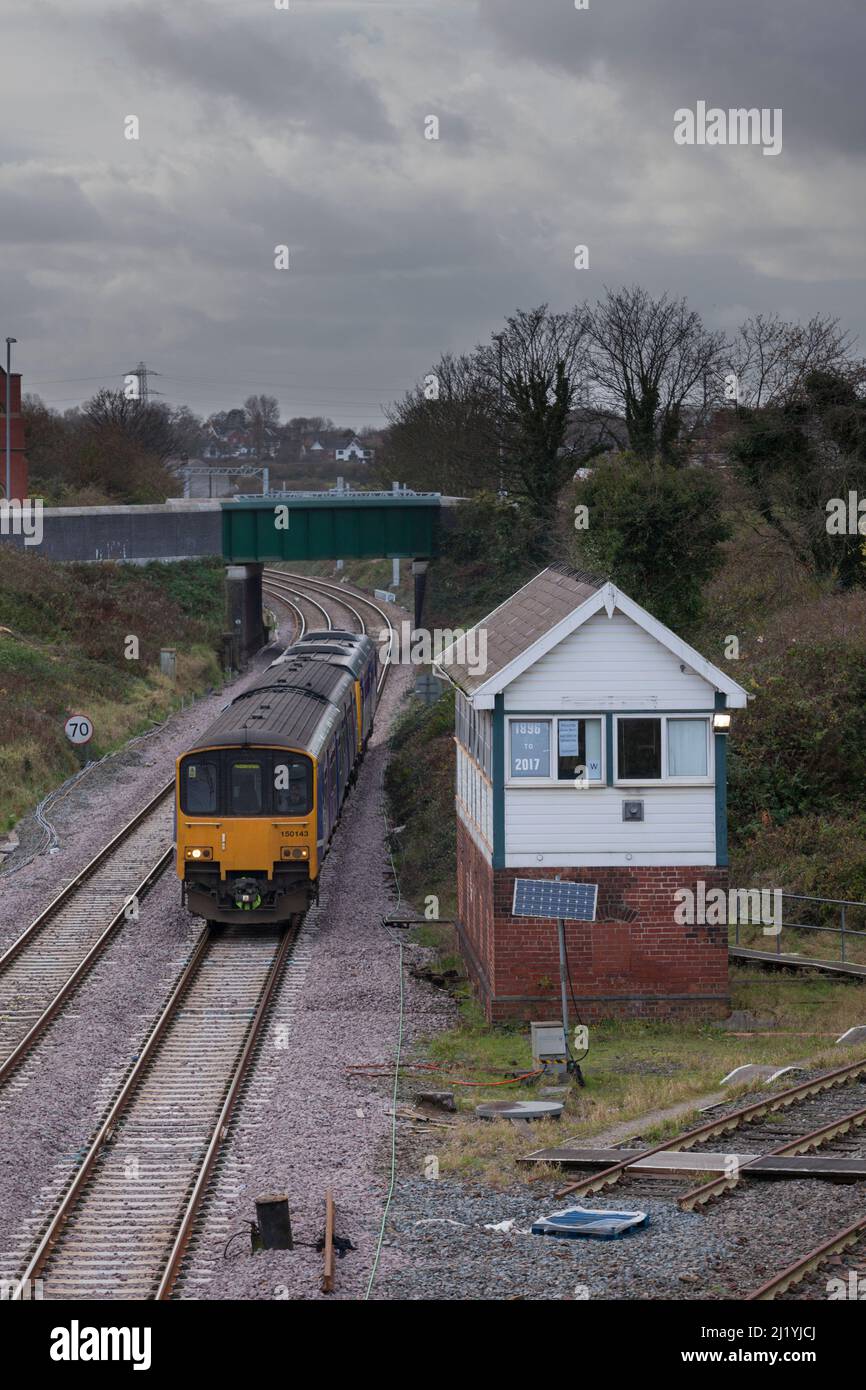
point(79, 728)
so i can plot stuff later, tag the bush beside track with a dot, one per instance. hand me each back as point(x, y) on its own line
point(63, 631)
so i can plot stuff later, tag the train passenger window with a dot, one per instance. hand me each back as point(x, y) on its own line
point(291, 786)
point(245, 789)
point(199, 787)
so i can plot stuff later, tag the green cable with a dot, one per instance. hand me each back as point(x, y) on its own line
point(393, 1136)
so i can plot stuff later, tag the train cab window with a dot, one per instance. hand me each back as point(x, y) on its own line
point(199, 786)
point(246, 787)
point(291, 786)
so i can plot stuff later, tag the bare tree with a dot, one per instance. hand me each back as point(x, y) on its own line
point(539, 363)
point(655, 363)
point(263, 415)
point(147, 425)
point(771, 357)
point(442, 434)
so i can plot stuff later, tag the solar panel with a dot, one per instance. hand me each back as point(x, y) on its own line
point(548, 897)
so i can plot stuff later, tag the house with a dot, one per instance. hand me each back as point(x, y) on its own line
point(591, 745)
point(354, 451)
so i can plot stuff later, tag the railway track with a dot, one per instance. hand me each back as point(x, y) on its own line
point(837, 1121)
point(293, 585)
point(41, 969)
point(125, 1219)
point(124, 1223)
point(849, 1242)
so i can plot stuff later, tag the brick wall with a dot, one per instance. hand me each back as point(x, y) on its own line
point(634, 961)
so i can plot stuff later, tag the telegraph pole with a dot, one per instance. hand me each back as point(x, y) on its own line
point(9, 342)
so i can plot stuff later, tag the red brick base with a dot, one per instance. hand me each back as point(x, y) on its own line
point(634, 961)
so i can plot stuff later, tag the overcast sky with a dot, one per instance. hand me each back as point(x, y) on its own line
point(305, 127)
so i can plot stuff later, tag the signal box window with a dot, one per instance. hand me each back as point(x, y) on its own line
point(199, 787)
point(579, 749)
point(530, 748)
point(639, 750)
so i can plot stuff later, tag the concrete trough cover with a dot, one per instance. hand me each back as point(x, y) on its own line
point(753, 1071)
point(685, 1161)
point(525, 1110)
point(665, 1163)
point(853, 1035)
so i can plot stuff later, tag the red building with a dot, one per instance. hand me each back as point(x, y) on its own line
point(19, 462)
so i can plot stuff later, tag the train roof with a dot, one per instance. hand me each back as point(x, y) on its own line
point(352, 656)
point(295, 706)
point(328, 635)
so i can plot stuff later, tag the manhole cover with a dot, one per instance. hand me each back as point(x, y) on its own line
point(519, 1110)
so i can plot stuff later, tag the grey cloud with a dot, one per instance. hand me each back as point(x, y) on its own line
point(803, 56)
point(272, 67)
point(36, 207)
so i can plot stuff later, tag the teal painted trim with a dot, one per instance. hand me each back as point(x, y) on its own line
point(721, 789)
point(599, 713)
point(499, 782)
point(608, 747)
point(721, 799)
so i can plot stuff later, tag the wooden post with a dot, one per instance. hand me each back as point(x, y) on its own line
point(328, 1280)
point(274, 1222)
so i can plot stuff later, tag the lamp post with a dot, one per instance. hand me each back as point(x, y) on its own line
point(497, 338)
point(9, 342)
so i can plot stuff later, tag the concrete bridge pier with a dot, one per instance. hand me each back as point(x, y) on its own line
point(244, 611)
point(419, 572)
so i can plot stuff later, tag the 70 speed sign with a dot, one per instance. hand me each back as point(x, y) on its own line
point(79, 728)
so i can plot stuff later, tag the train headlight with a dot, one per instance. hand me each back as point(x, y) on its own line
point(294, 852)
point(199, 852)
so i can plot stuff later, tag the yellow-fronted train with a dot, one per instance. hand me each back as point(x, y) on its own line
point(258, 797)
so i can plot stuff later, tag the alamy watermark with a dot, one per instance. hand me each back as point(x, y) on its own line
point(738, 126)
point(418, 646)
point(717, 907)
point(22, 518)
point(846, 516)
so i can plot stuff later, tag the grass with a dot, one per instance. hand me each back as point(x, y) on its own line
point(64, 635)
point(633, 1069)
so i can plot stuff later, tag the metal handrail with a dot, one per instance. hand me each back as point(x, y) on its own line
point(842, 930)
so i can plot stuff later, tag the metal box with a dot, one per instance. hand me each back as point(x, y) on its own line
point(548, 1042)
point(632, 810)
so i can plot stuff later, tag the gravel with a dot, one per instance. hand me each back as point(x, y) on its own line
point(437, 1246)
point(305, 1125)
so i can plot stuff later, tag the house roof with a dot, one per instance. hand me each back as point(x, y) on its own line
point(539, 616)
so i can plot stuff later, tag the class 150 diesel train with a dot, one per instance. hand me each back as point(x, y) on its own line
point(258, 797)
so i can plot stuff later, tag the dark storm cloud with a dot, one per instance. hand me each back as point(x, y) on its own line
point(306, 127)
point(275, 68)
point(803, 55)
